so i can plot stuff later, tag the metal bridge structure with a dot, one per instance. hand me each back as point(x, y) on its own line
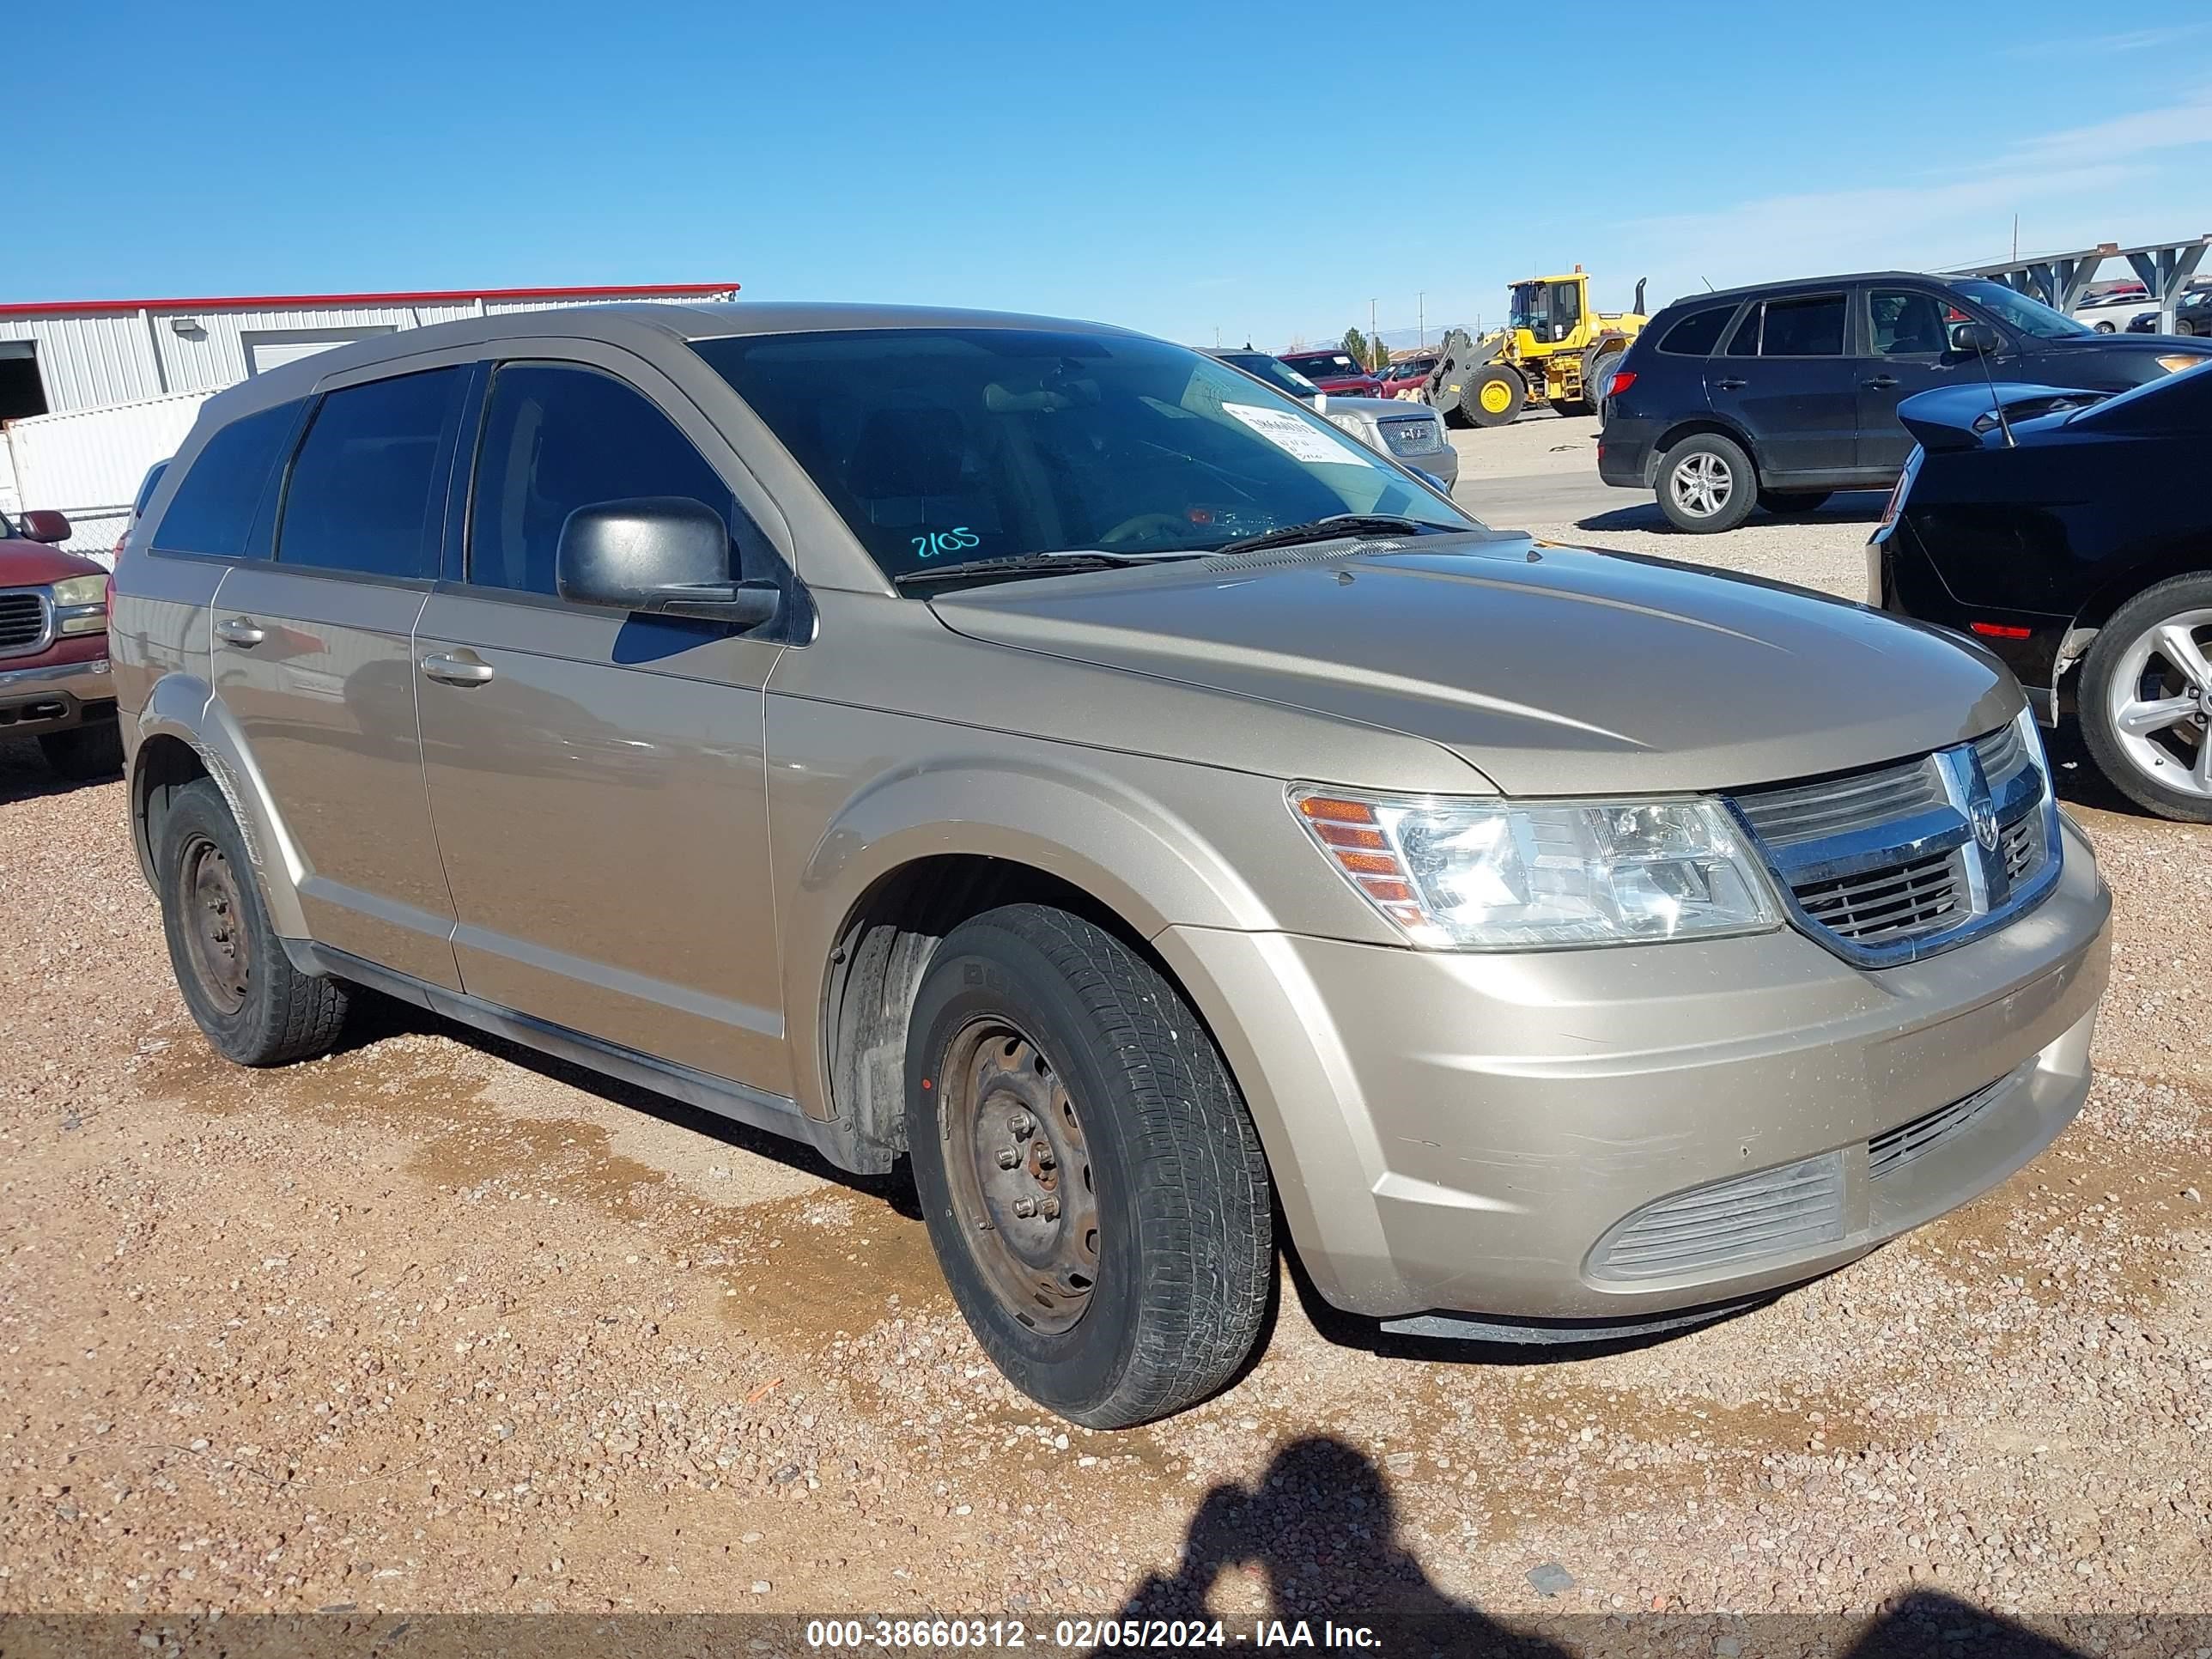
point(2059, 280)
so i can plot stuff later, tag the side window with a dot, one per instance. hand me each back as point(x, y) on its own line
point(214, 507)
point(366, 493)
point(1697, 334)
point(1812, 328)
point(1744, 343)
point(1907, 323)
point(556, 438)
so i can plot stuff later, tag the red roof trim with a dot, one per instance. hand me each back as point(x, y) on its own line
point(426, 297)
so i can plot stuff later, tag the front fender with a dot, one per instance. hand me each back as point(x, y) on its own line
point(184, 707)
point(1109, 836)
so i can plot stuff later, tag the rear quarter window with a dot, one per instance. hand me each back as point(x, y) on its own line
point(216, 508)
point(1697, 334)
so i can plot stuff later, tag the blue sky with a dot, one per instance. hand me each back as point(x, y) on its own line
point(1261, 170)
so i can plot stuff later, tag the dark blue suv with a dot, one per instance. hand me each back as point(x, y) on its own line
point(1778, 395)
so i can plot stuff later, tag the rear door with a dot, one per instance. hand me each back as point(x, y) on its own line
point(598, 779)
point(1907, 349)
point(1783, 378)
point(313, 660)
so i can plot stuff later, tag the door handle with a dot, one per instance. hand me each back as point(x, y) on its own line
point(1880, 382)
point(1731, 384)
point(460, 668)
point(240, 631)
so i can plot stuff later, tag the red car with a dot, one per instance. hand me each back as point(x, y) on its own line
point(1334, 372)
point(1409, 375)
point(54, 682)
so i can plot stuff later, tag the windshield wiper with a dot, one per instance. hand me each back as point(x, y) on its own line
point(1329, 529)
point(1017, 564)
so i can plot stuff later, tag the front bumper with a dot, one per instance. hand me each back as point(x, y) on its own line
point(1469, 1133)
point(56, 696)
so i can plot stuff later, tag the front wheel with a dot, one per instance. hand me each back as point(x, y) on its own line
point(2146, 699)
point(1494, 396)
point(1707, 483)
point(1093, 1186)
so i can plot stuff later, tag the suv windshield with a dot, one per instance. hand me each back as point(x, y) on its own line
point(1274, 371)
point(947, 446)
point(2029, 316)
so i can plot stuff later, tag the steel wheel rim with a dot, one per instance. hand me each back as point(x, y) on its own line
point(2160, 703)
point(214, 928)
point(1702, 483)
point(1019, 1170)
point(1497, 397)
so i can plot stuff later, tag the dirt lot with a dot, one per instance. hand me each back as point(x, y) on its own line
point(433, 1324)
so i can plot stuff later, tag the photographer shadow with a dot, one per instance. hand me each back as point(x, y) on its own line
point(1320, 1526)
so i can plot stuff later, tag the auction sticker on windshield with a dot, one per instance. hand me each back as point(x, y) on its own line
point(1293, 435)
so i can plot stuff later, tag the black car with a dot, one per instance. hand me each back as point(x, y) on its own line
point(2191, 316)
point(1777, 396)
point(2055, 527)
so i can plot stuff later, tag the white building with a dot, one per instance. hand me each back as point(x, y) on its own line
point(93, 392)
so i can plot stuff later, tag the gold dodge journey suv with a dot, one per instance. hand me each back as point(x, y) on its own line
point(1053, 758)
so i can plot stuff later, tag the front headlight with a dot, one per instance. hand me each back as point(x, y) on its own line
point(81, 603)
point(1360, 426)
point(1484, 875)
point(81, 590)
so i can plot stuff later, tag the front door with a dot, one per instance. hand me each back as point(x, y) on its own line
point(597, 778)
point(1908, 350)
point(313, 659)
point(1784, 378)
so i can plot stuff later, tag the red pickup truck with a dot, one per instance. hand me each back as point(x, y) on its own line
point(54, 682)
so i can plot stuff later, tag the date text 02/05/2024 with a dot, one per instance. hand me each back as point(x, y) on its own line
point(932, 1635)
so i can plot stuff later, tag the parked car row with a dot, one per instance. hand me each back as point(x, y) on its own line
point(1778, 395)
point(1047, 756)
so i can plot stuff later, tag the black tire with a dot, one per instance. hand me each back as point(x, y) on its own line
point(2123, 665)
point(1714, 468)
point(1160, 1264)
point(254, 1006)
point(1788, 503)
point(83, 753)
point(1493, 395)
point(2105, 327)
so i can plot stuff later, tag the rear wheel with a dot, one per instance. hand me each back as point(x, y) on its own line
point(1494, 395)
point(1787, 503)
point(85, 752)
point(1092, 1184)
point(2146, 699)
point(243, 991)
point(1707, 483)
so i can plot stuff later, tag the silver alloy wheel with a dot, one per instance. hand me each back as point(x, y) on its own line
point(1702, 485)
point(2160, 703)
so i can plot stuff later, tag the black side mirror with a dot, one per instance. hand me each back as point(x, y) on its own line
point(1977, 338)
point(661, 554)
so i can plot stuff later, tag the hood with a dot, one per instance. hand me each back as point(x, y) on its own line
point(33, 564)
point(1964, 416)
point(1552, 670)
point(1382, 409)
point(2121, 347)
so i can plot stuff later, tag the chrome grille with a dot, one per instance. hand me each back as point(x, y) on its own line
point(1419, 436)
point(1897, 861)
point(1726, 1223)
point(2001, 754)
point(1893, 1149)
point(1838, 806)
point(22, 621)
point(1906, 899)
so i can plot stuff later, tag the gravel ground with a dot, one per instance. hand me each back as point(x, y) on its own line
point(437, 1325)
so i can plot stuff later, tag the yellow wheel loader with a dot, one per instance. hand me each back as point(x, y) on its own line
point(1553, 349)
